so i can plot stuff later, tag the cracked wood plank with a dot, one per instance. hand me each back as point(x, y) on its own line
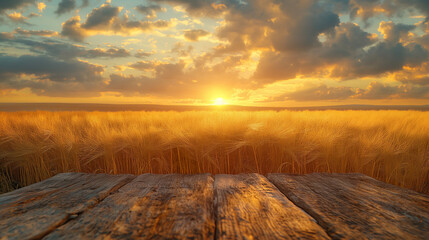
point(152, 206)
point(250, 207)
point(355, 206)
point(33, 212)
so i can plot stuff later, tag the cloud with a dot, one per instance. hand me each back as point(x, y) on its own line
point(179, 80)
point(395, 32)
point(381, 58)
point(416, 55)
point(317, 93)
point(17, 17)
point(61, 50)
point(180, 49)
point(375, 90)
point(72, 29)
point(423, 40)
point(285, 26)
point(34, 15)
point(85, 3)
point(290, 41)
point(143, 54)
point(143, 65)
point(14, 4)
point(424, 81)
point(255, 43)
point(101, 17)
point(47, 76)
point(356, 53)
point(149, 10)
point(66, 6)
point(44, 33)
point(106, 20)
point(342, 44)
point(348, 52)
point(366, 10)
point(48, 68)
point(132, 86)
point(301, 32)
point(198, 8)
point(274, 66)
point(6, 36)
point(348, 38)
point(106, 53)
point(306, 38)
point(414, 76)
point(169, 79)
point(194, 34)
point(419, 5)
point(41, 6)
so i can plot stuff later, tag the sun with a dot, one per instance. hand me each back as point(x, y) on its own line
point(219, 101)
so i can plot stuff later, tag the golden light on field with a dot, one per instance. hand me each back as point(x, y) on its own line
point(219, 101)
point(388, 145)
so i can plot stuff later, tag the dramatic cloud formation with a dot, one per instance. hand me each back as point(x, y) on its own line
point(48, 68)
point(60, 50)
point(47, 76)
point(246, 51)
point(106, 20)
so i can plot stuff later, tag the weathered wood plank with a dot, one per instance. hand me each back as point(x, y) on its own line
point(23, 217)
point(248, 206)
point(38, 190)
point(150, 207)
point(354, 206)
point(404, 194)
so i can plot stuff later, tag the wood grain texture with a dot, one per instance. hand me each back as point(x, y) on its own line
point(354, 206)
point(248, 206)
point(32, 212)
point(39, 190)
point(150, 207)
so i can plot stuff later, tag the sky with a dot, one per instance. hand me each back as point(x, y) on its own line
point(245, 52)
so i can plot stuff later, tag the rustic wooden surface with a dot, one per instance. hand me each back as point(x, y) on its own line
point(151, 206)
point(244, 206)
point(33, 216)
point(249, 206)
point(354, 206)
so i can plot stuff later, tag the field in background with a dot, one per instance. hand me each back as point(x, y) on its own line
point(392, 146)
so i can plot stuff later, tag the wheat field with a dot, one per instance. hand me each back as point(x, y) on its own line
point(392, 146)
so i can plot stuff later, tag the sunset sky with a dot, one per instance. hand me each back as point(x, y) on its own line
point(246, 52)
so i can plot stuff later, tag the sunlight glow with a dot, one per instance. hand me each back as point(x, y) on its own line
point(219, 101)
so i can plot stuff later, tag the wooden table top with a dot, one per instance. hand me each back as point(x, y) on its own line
point(203, 206)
